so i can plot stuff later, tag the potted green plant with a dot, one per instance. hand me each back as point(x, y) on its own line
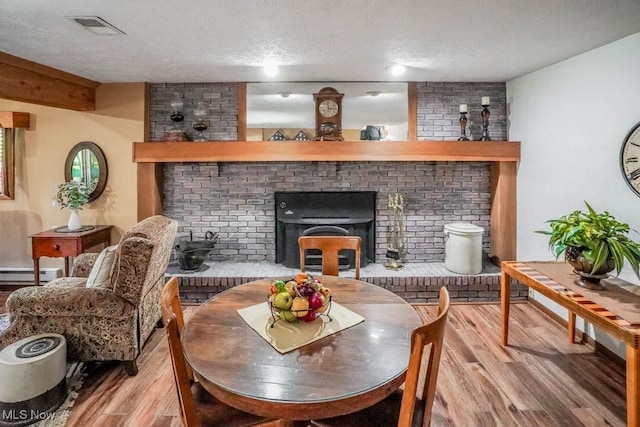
point(73, 195)
point(594, 244)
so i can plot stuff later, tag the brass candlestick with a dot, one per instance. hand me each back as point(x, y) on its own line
point(463, 127)
point(485, 123)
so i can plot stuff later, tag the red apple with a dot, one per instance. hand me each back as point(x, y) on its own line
point(316, 300)
point(310, 316)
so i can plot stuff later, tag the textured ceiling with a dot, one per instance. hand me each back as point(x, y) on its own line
point(320, 40)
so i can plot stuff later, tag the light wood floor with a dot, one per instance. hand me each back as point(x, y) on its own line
point(539, 380)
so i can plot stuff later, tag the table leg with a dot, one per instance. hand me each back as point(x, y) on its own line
point(505, 295)
point(67, 264)
point(36, 271)
point(633, 391)
point(572, 327)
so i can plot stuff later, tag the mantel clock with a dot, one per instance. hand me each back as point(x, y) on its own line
point(328, 114)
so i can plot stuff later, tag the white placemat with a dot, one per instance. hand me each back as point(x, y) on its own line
point(285, 336)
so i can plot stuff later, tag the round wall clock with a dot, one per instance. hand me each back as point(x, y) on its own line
point(629, 155)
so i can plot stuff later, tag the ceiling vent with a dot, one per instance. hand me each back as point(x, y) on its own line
point(96, 25)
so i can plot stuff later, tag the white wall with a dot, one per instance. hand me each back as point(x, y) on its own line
point(572, 118)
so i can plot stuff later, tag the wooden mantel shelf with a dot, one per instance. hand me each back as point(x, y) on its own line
point(343, 151)
point(503, 155)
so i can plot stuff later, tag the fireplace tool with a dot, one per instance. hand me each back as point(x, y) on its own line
point(192, 253)
point(396, 233)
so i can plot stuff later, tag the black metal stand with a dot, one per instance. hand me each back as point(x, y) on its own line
point(485, 123)
point(463, 127)
point(276, 317)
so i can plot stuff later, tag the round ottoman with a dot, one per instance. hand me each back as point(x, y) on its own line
point(33, 379)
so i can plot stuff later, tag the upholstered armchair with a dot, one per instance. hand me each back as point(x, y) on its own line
point(110, 320)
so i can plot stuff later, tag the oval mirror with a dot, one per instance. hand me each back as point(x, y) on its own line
point(86, 162)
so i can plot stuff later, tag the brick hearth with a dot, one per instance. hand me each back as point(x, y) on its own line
point(416, 282)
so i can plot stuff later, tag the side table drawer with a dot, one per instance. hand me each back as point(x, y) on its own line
point(54, 248)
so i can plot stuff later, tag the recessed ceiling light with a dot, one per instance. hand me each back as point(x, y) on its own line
point(96, 25)
point(373, 92)
point(270, 70)
point(284, 94)
point(396, 69)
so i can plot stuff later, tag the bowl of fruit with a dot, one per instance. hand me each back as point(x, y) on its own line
point(302, 298)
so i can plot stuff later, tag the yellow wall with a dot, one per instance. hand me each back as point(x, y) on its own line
point(119, 120)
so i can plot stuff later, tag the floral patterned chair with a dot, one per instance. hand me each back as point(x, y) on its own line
point(110, 321)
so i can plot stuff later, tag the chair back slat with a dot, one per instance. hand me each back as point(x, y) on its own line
point(173, 320)
point(431, 333)
point(330, 247)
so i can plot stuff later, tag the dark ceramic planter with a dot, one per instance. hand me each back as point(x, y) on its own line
point(584, 266)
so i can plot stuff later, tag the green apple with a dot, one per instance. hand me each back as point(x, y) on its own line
point(283, 300)
point(289, 316)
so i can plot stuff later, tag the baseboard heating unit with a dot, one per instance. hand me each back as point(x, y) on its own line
point(25, 274)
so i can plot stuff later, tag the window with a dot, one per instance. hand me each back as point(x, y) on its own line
point(6, 164)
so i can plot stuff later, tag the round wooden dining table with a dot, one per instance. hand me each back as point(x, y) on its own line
point(338, 374)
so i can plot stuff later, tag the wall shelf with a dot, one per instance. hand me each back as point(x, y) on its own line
point(344, 151)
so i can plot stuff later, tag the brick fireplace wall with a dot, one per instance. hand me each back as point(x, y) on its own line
point(236, 199)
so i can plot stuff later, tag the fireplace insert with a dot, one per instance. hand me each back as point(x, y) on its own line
point(324, 213)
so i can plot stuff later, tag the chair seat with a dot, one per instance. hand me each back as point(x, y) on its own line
point(384, 413)
point(211, 412)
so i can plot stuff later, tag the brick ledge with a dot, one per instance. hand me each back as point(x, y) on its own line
point(416, 283)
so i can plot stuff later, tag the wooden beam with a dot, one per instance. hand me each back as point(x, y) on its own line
point(412, 124)
point(503, 211)
point(242, 111)
point(26, 81)
point(149, 190)
point(330, 151)
point(147, 108)
point(12, 119)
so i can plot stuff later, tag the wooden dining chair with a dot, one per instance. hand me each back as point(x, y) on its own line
point(197, 406)
point(330, 247)
point(404, 408)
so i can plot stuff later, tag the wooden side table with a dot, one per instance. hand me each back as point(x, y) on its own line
point(55, 244)
point(558, 288)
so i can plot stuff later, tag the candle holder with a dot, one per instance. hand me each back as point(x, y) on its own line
point(176, 133)
point(176, 111)
point(485, 123)
point(463, 127)
point(201, 124)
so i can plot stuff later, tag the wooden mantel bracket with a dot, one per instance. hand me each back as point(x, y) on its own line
point(12, 119)
point(26, 81)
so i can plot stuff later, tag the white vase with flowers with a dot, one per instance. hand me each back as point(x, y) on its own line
point(73, 195)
